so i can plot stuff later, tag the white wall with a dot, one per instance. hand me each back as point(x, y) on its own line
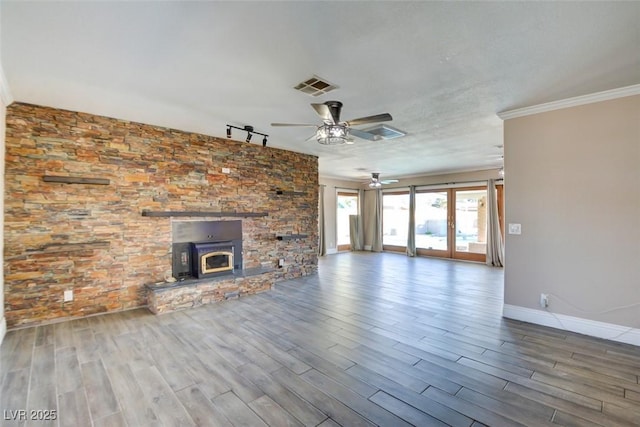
point(573, 183)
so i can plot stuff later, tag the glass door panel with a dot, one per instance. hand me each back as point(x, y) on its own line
point(395, 221)
point(470, 219)
point(432, 223)
point(347, 205)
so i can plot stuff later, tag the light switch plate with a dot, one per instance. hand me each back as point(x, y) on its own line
point(515, 229)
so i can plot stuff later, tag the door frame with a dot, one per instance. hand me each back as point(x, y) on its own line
point(350, 193)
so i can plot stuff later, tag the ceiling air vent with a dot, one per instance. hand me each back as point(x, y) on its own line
point(315, 86)
point(385, 132)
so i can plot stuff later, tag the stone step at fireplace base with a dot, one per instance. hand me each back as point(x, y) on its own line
point(168, 297)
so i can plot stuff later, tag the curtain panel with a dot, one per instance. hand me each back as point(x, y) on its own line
point(495, 244)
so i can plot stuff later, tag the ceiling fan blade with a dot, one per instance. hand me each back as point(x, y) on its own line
point(311, 138)
point(323, 111)
point(329, 111)
point(294, 124)
point(384, 117)
point(388, 181)
point(363, 134)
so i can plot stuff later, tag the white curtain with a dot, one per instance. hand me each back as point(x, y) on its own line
point(495, 245)
point(411, 236)
point(376, 244)
point(322, 243)
point(353, 232)
point(360, 245)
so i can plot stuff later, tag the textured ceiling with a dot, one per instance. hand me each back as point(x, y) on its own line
point(442, 69)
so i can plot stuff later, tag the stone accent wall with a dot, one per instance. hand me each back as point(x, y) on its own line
point(92, 239)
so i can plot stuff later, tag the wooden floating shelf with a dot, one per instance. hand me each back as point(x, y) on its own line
point(71, 247)
point(75, 180)
point(292, 236)
point(290, 193)
point(165, 214)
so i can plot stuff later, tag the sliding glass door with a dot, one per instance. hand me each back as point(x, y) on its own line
point(452, 223)
point(449, 222)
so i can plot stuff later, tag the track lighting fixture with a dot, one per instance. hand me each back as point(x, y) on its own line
point(249, 130)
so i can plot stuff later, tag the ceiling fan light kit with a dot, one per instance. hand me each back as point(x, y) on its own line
point(332, 134)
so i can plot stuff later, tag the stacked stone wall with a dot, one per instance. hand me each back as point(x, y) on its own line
point(94, 240)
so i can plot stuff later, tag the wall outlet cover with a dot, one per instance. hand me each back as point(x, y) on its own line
point(544, 300)
point(515, 229)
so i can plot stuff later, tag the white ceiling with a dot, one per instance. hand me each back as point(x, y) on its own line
point(442, 69)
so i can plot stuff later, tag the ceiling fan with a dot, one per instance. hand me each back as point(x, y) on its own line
point(376, 182)
point(333, 131)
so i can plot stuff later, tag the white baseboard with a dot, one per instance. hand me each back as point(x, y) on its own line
point(331, 251)
point(3, 328)
point(592, 328)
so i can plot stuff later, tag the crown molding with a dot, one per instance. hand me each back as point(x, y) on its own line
point(571, 102)
point(5, 93)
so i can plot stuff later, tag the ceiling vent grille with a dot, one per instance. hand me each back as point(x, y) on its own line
point(315, 86)
point(385, 132)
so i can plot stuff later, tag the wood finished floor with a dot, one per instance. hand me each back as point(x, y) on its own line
point(373, 339)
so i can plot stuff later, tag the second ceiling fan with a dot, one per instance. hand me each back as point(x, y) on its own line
point(376, 182)
point(333, 131)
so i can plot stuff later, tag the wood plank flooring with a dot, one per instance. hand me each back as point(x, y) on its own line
point(373, 339)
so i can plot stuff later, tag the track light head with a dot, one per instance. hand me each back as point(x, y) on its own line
point(249, 130)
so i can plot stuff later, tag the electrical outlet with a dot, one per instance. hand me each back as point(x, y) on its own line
point(68, 295)
point(544, 300)
point(226, 170)
point(515, 229)
point(281, 263)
